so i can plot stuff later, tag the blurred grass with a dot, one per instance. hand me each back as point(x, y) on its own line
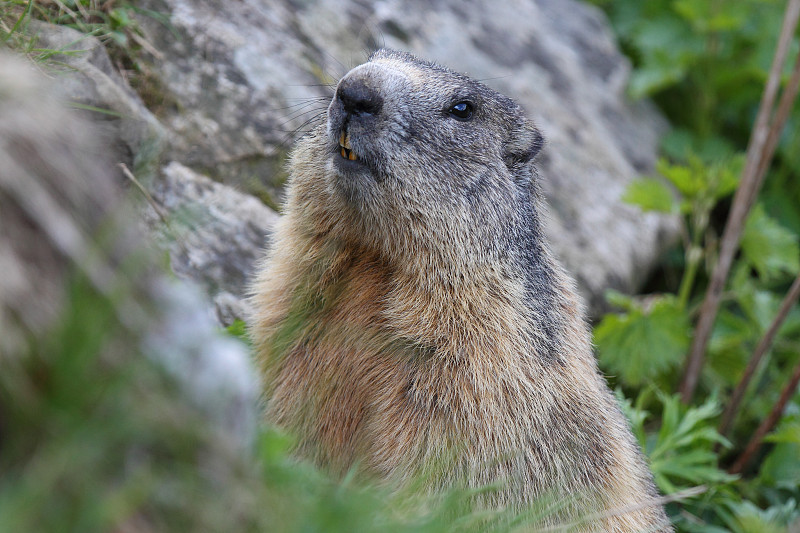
point(94, 436)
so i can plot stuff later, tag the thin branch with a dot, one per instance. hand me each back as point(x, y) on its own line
point(83, 11)
point(152, 201)
point(162, 214)
point(144, 43)
point(781, 115)
point(768, 424)
point(67, 10)
point(729, 415)
point(748, 188)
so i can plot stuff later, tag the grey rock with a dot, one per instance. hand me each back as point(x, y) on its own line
point(215, 371)
point(53, 192)
point(88, 81)
point(214, 234)
point(247, 75)
point(62, 213)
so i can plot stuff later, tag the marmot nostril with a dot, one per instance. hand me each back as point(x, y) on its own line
point(358, 97)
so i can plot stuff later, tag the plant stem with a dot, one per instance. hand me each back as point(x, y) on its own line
point(694, 252)
point(784, 109)
point(693, 257)
point(745, 194)
point(729, 415)
point(767, 425)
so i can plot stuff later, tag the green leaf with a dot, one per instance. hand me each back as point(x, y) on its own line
point(239, 330)
point(706, 16)
point(619, 299)
point(781, 467)
point(728, 176)
point(649, 80)
point(668, 49)
point(682, 177)
point(636, 416)
point(730, 347)
point(644, 342)
point(682, 452)
point(787, 432)
point(749, 518)
point(769, 247)
point(650, 194)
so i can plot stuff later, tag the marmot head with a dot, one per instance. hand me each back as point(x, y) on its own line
point(424, 158)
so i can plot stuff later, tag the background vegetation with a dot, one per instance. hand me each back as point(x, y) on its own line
point(705, 63)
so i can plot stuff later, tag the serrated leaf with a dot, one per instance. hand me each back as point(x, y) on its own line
point(651, 79)
point(728, 178)
point(769, 247)
point(682, 454)
point(749, 518)
point(787, 432)
point(619, 299)
point(681, 177)
point(781, 466)
point(642, 343)
point(650, 194)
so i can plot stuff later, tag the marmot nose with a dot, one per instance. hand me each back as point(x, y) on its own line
point(358, 97)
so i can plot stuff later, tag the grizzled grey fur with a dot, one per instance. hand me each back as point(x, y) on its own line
point(411, 319)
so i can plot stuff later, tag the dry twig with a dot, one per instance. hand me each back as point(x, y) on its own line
point(759, 153)
point(768, 424)
point(766, 341)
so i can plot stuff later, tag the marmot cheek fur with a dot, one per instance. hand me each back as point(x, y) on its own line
point(411, 319)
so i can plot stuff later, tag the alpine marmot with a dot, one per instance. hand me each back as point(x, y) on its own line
point(412, 320)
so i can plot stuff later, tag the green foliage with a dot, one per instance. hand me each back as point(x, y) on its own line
point(768, 247)
point(643, 342)
point(716, 50)
point(70, 409)
point(112, 22)
point(650, 194)
point(748, 518)
point(699, 186)
point(705, 63)
point(681, 452)
point(239, 330)
point(781, 468)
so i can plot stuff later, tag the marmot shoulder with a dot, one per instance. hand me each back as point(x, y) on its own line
point(411, 319)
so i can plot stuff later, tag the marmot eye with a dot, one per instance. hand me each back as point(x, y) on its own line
point(462, 111)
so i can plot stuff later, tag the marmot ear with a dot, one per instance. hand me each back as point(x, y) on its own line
point(526, 141)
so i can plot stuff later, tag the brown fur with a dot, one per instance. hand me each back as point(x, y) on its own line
point(410, 318)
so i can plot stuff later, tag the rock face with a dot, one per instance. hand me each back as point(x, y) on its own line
point(48, 174)
point(248, 76)
point(62, 213)
point(242, 80)
point(87, 80)
point(214, 234)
